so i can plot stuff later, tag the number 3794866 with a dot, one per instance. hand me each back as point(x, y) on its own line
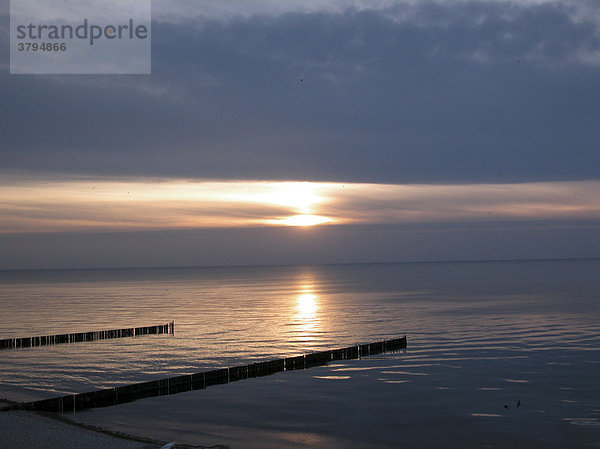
point(44, 46)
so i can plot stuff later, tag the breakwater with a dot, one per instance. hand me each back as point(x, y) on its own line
point(47, 340)
point(198, 381)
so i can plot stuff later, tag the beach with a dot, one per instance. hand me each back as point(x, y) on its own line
point(28, 430)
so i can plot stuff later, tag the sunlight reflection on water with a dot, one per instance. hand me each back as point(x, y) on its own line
point(455, 315)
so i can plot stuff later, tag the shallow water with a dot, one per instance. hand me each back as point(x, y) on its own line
point(480, 336)
point(387, 402)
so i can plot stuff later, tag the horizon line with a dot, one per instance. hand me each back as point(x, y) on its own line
point(179, 267)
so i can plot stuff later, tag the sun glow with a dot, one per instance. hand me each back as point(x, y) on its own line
point(301, 220)
point(301, 198)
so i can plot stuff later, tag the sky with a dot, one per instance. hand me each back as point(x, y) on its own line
point(275, 132)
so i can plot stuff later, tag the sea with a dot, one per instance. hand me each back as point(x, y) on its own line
point(499, 353)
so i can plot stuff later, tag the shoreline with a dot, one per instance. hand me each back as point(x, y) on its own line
point(53, 428)
point(151, 442)
point(31, 430)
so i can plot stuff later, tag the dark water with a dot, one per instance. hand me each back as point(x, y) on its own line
point(481, 336)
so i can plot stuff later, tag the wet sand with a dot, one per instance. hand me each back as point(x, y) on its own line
point(27, 430)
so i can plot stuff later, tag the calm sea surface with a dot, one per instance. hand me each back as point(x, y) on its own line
point(480, 334)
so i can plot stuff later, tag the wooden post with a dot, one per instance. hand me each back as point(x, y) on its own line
point(46, 340)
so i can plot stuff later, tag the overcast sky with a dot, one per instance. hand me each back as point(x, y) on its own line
point(388, 93)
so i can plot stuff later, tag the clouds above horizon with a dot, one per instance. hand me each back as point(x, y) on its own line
point(105, 205)
point(427, 130)
point(399, 92)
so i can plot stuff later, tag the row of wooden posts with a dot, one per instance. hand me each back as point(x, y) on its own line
point(198, 381)
point(47, 340)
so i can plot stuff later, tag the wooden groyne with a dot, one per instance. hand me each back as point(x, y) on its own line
point(47, 340)
point(199, 381)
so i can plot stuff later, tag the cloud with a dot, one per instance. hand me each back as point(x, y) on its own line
point(101, 205)
point(370, 203)
point(177, 11)
point(404, 92)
